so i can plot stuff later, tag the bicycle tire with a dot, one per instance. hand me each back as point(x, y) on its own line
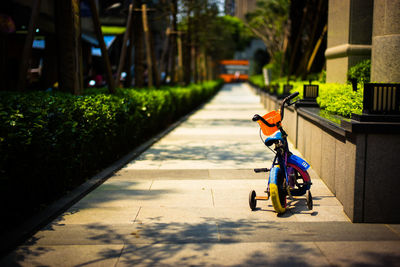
point(309, 200)
point(301, 176)
point(252, 200)
point(277, 192)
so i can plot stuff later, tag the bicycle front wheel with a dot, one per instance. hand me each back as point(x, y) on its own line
point(277, 191)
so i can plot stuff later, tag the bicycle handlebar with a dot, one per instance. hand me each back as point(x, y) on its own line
point(257, 117)
point(292, 96)
point(287, 99)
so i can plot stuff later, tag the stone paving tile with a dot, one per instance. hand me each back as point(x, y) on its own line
point(116, 195)
point(319, 214)
point(295, 231)
point(59, 233)
point(157, 174)
point(395, 228)
point(127, 182)
point(98, 215)
point(361, 253)
point(176, 214)
point(185, 153)
point(212, 138)
point(240, 130)
point(174, 232)
point(264, 213)
point(231, 174)
point(67, 255)
point(233, 254)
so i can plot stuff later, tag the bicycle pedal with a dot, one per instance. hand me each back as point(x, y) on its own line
point(261, 170)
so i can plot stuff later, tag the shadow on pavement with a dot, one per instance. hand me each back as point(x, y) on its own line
point(210, 242)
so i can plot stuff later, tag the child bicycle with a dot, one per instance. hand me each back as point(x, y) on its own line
point(288, 175)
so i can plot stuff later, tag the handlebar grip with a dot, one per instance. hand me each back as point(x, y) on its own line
point(293, 95)
point(256, 117)
point(287, 99)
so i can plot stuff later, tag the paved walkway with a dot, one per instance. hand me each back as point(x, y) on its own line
point(184, 202)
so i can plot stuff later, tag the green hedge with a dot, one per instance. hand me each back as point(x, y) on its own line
point(361, 72)
point(340, 99)
point(336, 99)
point(257, 80)
point(51, 142)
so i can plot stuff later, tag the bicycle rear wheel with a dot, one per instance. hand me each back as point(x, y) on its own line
point(277, 191)
point(301, 179)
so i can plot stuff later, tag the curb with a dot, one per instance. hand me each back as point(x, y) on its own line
point(16, 237)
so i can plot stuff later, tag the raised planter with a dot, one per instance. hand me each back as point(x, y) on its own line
point(357, 160)
point(310, 94)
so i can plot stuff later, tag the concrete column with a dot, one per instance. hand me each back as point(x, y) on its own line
point(349, 36)
point(386, 42)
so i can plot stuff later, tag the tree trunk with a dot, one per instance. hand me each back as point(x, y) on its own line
point(187, 54)
point(155, 69)
point(316, 48)
point(124, 47)
point(209, 68)
point(195, 46)
point(173, 42)
point(164, 60)
point(148, 46)
point(180, 59)
point(50, 64)
point(128, 81)
point(298, 38)
point(100, 39)
point(70, 74)
point(139, 47)
point(26, 53)
point(302, 67)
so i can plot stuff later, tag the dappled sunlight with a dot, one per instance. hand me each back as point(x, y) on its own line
point(234, 151)
point(179, 243)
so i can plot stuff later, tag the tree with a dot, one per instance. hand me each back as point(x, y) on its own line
point(203, 35)
point(139, 46)
point(218, 38)
point(270, 22)
point(225, 35)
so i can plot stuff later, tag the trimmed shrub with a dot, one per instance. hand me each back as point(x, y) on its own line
point(257, 80)
point(52, 142)
point(337, 99)
point(360, 72)
point(340, 99)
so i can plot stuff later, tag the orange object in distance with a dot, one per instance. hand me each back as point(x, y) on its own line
point(234, 70)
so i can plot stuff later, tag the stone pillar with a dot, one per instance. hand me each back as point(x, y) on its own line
point(349, 36)
point(385, 64)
